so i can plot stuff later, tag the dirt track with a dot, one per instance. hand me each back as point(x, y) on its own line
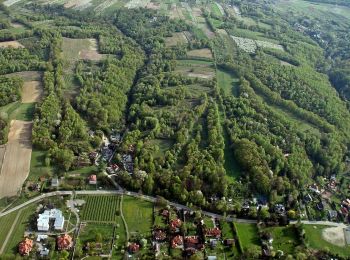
point(32, 91)
point(16, 161)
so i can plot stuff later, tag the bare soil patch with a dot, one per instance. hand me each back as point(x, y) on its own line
point(32, 91)
point(201, 53)
point(16, 159)
point(153, 6)
point(334, 235)
point(11, 44)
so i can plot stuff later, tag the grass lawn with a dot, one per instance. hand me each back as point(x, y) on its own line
point(6, 224)
point(313, 234)
point(227, 81)
point(284, 238)
point(21, 225)
point(215, 9)
point(37, 165)
point(19, 111)
point(247, 235)
point(138, 215)
point(163, 144)
point(232, 168)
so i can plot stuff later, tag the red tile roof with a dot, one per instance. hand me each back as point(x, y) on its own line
point(25, 246)
point(133, 247)
point(177, 241)
point(175, 223)
point(213, 232)
point(92, 177)
point(64, 242)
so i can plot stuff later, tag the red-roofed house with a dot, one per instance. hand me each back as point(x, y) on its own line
point(177, 241)
point(213, 232)
point(25, 246)
point(93, 179)
point(64, 242)
point(175, 224)
point(133, 247)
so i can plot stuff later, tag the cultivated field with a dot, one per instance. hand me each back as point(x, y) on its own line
point(32, 91)
point(200, 53)
point(84, 49)
point(100, 208)
point(250, 45)
point(137, 3)
point(16, 160)
point(196, 69)
point(11, 44)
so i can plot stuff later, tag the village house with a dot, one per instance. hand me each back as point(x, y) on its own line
point(213, 232)
point(64, 242)
point(54, 182)
point(133, 248)
point(229, 242)
point(25, 247)
point(159, 235)
point(175, 224)
point(112, 169)
point(177, 241)
point(93, 179)
point(44, 219)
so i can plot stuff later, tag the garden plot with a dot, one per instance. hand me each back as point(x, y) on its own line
point(11, 44)
point(175, 12)
point(105, 5)
point(250, 45)
point(78, 4)
point(196, 69)
point(16, 160)
point(137, 4)
point(221, 9)
point(177, 38)
point(200, 53)
point(81, 49)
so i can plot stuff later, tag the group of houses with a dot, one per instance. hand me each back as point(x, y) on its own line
point(27, 245)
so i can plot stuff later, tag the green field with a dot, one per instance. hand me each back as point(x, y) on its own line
point(6, 223)
point(37, 165)
point(227, 81)
point(247, 235)
point(313, 236)
point(19, 111)
point(100, 208)
point(21, 225)
point(284, 238)
point(138, 215)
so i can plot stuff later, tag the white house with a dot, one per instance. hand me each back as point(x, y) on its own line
point(43, 221)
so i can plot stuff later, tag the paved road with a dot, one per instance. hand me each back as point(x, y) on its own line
point(152, 199)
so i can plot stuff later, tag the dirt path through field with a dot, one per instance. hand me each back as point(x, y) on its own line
point(32, 91)
point(16, 161)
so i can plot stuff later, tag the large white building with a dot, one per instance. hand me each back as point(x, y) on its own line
point(43, 221)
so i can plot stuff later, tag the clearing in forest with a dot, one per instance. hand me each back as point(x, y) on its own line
point(200, 53)
point(11, 44)
point(16, 159)
point(175, 39)
point(81, 49)
point(78, 4)
point(196, 69)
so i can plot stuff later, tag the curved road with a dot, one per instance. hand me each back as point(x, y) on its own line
point(151, 199)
